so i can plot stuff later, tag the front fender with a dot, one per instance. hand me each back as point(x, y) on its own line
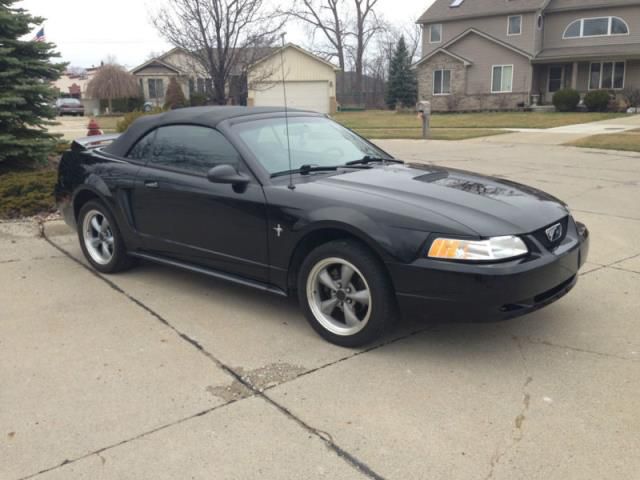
point(391, 243)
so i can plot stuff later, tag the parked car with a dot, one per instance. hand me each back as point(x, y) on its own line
point(300, 206)
point(69, 106)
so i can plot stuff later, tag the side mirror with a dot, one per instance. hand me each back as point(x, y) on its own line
point(227, 174)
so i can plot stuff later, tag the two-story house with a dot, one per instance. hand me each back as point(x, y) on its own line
point(501, 54)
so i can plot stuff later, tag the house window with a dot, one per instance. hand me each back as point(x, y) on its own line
point(201, 89)
point(156, 88)
point(555, 78)
point(435, 33)
point(514, 25)
point(502, 79)
point(607, 75)
point(442, 82)
point(596, 27)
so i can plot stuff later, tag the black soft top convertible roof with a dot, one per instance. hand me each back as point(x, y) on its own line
point(204, 116)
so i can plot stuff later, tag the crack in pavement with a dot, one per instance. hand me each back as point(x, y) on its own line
point(517, 431)
point(350, 459)
point(622, 217)
point(613, 266)
point(128, 440)
point(539, 341)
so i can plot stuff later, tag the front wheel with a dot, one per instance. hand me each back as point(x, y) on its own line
point(346, 294)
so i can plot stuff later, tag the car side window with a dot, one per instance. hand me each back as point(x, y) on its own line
point(191, 148)
point(142, 150)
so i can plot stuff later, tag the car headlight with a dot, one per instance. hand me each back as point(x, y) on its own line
point(493, 249)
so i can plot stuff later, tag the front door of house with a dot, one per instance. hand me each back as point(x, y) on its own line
point(556, 78)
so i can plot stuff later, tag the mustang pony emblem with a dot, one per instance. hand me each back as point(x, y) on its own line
point(554, 233)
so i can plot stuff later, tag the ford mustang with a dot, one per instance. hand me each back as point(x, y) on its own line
point(295, 204)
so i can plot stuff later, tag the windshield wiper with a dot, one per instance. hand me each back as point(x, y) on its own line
point(307, 169)
point(367, 159)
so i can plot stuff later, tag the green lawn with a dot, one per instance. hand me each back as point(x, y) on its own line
point(366, 122)
point(627, 141)
point(436, 133)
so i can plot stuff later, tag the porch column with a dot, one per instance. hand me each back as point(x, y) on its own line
point(574, 76)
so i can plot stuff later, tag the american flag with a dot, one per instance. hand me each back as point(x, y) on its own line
point(40, 36)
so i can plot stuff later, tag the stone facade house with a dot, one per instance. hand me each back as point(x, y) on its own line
point(505, 54)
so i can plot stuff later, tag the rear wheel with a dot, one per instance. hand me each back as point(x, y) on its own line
point(345, 294)
point(100, 239)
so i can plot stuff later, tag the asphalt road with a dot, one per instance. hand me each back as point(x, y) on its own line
point(162, 374)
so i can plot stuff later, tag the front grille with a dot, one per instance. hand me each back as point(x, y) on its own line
point(541, 235)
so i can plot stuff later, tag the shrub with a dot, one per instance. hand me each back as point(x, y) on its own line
point(129, 118)
point(122, 105)
point(175, 96)
point(632, 96)
point(566, 100)
point(198, 99)
point(597, 100)
point(27, 193)
point(62, 146)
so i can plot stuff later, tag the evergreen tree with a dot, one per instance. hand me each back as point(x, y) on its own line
point(26, 92)
point(402, 88)
point(175, 96)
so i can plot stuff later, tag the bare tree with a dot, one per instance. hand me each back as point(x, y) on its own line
point(112, 82)
point(327, 18)
point(224, 36)
point(365, 27)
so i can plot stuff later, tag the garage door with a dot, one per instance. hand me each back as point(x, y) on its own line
point(304, 95)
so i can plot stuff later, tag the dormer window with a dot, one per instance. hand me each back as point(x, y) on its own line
point(514, 26)
point(596, 27)
point(435, 33)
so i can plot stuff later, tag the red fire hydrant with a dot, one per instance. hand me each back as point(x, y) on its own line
point(94, 128)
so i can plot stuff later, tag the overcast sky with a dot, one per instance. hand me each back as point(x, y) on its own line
point(87, 32)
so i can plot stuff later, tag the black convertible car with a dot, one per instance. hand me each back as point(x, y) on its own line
point(306, 207)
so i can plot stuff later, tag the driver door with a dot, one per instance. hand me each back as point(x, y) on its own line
point(181, 215)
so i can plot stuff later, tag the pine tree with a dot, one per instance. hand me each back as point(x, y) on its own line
point(402, 88)
point(175, 96)
point(26, 92)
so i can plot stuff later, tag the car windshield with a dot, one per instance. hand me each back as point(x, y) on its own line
point(315, 142)
point(70, 101)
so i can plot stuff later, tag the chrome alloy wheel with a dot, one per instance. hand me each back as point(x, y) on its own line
point(98, 237)
point(339, 296)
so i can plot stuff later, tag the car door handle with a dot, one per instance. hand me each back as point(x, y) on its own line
point(150, 184)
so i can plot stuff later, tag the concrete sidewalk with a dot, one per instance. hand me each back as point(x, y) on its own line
point(568, 133)
point(162, 374)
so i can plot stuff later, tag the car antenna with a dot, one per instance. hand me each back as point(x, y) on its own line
point(286, 113)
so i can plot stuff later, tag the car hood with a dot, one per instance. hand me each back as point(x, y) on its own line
point(488, 206)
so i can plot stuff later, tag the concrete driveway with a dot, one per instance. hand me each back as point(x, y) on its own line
point(162, 374)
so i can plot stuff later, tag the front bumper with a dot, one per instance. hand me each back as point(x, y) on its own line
point(450, 291)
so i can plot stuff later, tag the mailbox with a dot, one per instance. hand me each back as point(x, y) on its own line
point(424, 107)
point(424, 111)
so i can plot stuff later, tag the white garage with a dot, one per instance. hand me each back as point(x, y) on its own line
point(310, 81)
point(304, 95)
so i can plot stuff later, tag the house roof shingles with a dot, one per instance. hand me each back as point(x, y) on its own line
point(588, 52)
point(560, 5)
point(441, 10)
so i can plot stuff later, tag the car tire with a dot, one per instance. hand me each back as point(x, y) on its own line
point(101, 240)
point(350, 314)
